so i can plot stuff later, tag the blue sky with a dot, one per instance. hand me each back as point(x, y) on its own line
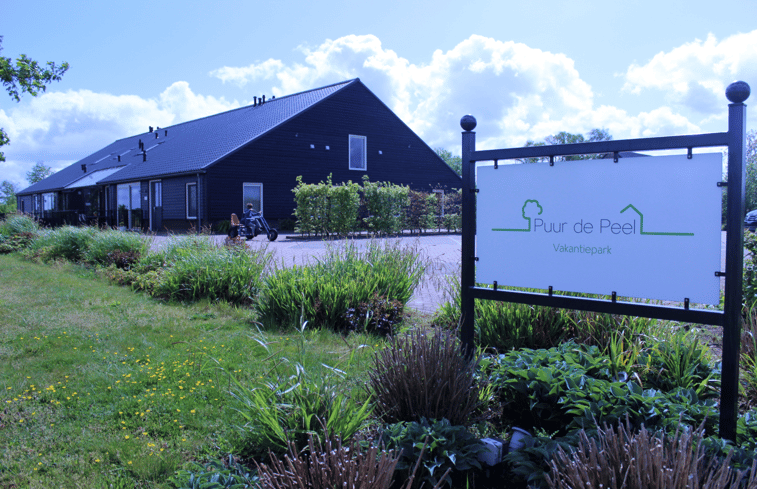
point(524, 69)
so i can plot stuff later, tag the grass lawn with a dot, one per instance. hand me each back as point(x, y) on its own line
point(105, 387)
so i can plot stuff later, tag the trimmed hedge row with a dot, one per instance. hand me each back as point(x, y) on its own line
point(324, 209)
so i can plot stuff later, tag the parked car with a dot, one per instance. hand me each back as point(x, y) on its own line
point(750, 221)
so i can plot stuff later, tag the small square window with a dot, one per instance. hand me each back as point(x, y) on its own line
point(327, 148)
point(358, 153)
point(312, 146)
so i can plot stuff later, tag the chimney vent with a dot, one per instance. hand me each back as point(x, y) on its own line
point(144, 155)
point(156, 134)
point(119, 157)
point(84, 168)
point(166, 133)
point(255, 101)
point(150, 128)
point(263, 98)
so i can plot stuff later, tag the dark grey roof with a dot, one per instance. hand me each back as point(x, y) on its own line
point(187, 147)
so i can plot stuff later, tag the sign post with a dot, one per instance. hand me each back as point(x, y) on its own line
point(613, 226)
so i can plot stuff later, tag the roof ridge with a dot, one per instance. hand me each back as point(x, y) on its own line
point(345, 82)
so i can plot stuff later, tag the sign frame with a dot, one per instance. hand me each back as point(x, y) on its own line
point(729, 318)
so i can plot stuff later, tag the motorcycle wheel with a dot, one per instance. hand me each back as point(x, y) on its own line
point(272, 235)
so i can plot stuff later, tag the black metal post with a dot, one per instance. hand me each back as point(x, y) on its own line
point(468, 236)
point(737, 93)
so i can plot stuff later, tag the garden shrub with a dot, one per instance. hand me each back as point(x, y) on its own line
point(445, 452)
point(421, 211)
point(376, 316)
point(16, 242)
point(215, 475)
point(330, 464)
point(344, 201)
point(311, 209)
point(345, 277)
point(572, 386)
point(385, 203)
point(424, 375)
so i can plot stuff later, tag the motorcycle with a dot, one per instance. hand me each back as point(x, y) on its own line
point(253, 226)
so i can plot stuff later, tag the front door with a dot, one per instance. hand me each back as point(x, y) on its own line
point(156, 205)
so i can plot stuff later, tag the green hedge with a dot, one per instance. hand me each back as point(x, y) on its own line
point(325, 209)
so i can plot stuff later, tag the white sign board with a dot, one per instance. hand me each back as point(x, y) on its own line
point(645, 227)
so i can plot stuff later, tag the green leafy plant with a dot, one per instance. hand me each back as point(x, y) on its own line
point(291, 408)
point(445, 451)
point(378, 316)
point(226, 474)
point(563, 389)
point(425, 375)
point(678, 360)
point(385, 203)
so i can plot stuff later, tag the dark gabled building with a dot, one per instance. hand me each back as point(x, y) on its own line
point(199, 172)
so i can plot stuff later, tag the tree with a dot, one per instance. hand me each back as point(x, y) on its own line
point(454, 162)
point(563, 137)
point(26, 75)
point(39, 171)
point(8, 191)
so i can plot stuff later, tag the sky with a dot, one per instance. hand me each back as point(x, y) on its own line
point(525, 69)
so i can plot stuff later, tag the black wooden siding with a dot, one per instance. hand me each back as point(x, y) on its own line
point(277, 158)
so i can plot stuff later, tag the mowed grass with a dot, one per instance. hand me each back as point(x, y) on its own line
point(104, 387)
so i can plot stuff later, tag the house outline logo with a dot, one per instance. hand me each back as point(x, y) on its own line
point(650, 233)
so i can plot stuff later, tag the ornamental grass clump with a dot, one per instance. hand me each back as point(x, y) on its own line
point(211, 272)
point(104, 245)
point(328, 465)
point(17, 224)
point(345, 277)
point(67, 242)
point(618, 458)
point(425, 375)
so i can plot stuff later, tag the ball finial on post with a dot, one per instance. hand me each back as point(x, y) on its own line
point(737, 92)
point(468, 122)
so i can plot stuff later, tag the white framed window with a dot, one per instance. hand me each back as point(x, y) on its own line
point(192, 200)
point(252, 193)
point(358, 153)
point(49, 201)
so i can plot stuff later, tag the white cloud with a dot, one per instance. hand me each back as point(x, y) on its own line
point(59, 128)
point(696, 74)
point(516, 92)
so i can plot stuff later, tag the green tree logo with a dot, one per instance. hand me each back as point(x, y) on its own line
point(531, 207)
